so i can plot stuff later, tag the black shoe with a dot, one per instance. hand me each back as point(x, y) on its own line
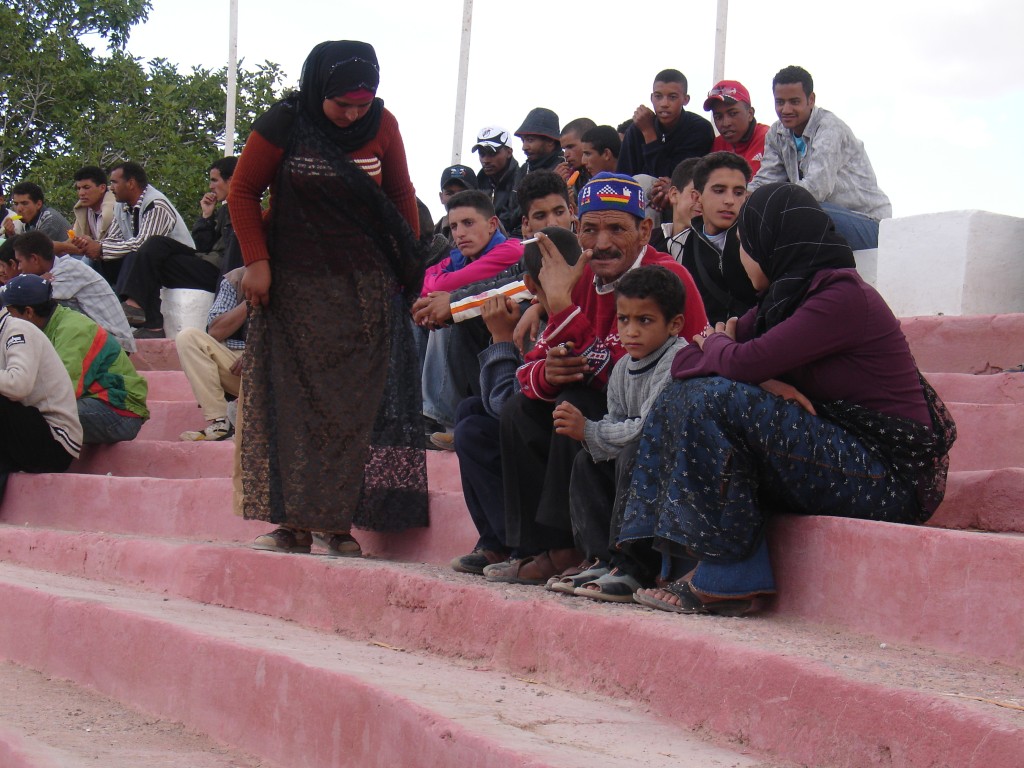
point(149, 333)
point(135, 315)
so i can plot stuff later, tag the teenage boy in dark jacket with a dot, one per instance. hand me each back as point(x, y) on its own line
point(712, 251)
point(498, 173)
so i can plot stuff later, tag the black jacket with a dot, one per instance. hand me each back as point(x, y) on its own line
point(692, 136)
point(720, 277)
point(501, 190)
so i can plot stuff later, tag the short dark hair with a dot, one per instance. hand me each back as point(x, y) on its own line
point(225, 166)
point(602, 137)
point(92, 173)
point(472, 198)
point(717, 160)
point(672, 76)
point(34, 191)
point(564, 240)
point(132, 171)
point(624, 126)
point(794, 74)
point(7, 251)
point(657, 283)
point(540, 184)
point(682, 174)
point(579, 126)
point(43, 310)
point(34, 242)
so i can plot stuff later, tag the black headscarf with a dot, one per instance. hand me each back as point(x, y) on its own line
point(786, 232)
point(334, 68)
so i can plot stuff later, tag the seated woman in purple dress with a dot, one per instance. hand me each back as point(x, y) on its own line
point(810, 403)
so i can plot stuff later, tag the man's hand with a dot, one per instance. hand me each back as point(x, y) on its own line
point(569, 421)
point(557, 277)
point(562, 368)
point(644, 120)
point(564, 170)
point(8, 227)
point(256, 283)
point(728, 328)
point(432, 311)
point(236, 367)
point(788, 392)
point(659, 193)
point(89, 247)
point(501, 316)
point(528, 327)
point(208, 204)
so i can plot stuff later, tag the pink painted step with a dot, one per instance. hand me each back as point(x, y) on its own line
point(988, 436)
point(168, 385)
point(987, 500)
point(156, 355)
point(264, 683)
point(996, 389)
point(158, 458)
point(169, 418)
point(977, 344)
point(815, 696)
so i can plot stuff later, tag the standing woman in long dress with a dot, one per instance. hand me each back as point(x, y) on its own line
point(331, 409)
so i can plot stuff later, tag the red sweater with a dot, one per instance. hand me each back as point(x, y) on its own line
point(752, 151)
point(383, 159)
point(592, 325)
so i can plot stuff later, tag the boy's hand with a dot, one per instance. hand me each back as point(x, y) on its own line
point(659, 193)
point(644, 120)
point(561, 368)
point(527, 328)
point(501, 316)
point(433, 310)
point(569, 421)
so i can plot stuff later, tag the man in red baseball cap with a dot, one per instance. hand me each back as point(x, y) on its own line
point(739, 131)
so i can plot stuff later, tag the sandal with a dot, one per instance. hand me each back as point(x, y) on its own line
point(284, 540)
point(512, 572)
point(339, 544)
point(613, 587)
point(567, 581)
point(690, 603)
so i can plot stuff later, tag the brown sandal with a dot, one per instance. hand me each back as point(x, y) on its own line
point(534, 571)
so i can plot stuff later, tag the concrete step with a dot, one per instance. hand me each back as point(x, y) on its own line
point(168, 385)
point(997, 389)
point(971, 344)
point(156, 355)
point(988, 436)
point(985, 500)
point(52, 723)
point(306, 699)
point(169, 418)
point(158, 458)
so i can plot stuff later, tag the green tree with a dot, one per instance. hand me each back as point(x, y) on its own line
point(65, 106)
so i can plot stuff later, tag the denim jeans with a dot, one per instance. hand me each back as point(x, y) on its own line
point(102, 424)
point(860, 231)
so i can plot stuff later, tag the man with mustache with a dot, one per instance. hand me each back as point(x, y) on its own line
point(572, 364)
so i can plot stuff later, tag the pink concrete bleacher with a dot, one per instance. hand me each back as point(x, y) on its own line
point(888, 645)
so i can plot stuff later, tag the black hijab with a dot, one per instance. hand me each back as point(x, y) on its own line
point(334, 68)
point(791, 238)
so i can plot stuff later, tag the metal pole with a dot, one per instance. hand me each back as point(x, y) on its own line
point(721, 27)
point(460, 97)
point(229, 111)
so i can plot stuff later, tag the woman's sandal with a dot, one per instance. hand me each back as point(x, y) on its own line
point(567, 581)
point(614, 587)
point(690, 603)
point(284, 540)
point(339, 544)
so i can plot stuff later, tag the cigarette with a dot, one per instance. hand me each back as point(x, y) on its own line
point(531, 240)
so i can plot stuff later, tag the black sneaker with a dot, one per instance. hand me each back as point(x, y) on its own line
point(149, 333)
point(135, 315)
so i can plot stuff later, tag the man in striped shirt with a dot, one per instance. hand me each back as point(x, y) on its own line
point(142, 212)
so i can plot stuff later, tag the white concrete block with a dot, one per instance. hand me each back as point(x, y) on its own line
point(867, 265)
point(954, 263)
point(184, 308)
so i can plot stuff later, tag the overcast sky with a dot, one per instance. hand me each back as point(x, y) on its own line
point(935, 90)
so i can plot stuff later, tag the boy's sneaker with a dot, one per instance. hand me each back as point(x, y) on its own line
point(477, 560)
point(444, 441)
point(218, 429)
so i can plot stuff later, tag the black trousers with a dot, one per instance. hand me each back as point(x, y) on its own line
point(26, 442)
point(478, 447)
point(537, 467)
point(165, 263)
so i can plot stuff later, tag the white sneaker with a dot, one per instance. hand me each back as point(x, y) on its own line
point(218, 429)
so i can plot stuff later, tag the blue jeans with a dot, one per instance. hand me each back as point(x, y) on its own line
point(717, 458)
point(102, 424)
point(860, 231)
